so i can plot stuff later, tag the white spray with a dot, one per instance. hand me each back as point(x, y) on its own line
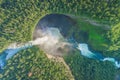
point(50, 41)
point(87, 53)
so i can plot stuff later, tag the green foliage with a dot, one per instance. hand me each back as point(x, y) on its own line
point(114, 37)
point(96, 34)
point(18, 19)
point(34, 62)
point(87, 69)
point(104, 10)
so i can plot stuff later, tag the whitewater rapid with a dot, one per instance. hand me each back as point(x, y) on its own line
point(89, 54)
point(52, 37)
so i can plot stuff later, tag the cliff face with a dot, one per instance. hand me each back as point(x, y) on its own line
point(63, 22)
point(63, 25)
point(55, 52)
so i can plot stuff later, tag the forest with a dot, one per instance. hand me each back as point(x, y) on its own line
point(18, 19)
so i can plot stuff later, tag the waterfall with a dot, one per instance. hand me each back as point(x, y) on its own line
point(15, 48)
point(52, 39)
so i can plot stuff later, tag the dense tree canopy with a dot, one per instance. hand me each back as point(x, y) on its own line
point(19, 16)
point(18, 19)
point(114, 36)
point(32, 64)
point(87, 69)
